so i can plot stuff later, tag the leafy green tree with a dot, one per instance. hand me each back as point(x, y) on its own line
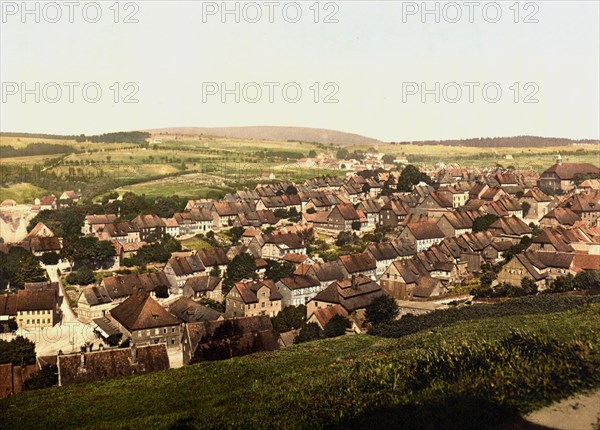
point(563, 283)
point(235, 233)
point(337, 326)
point(50, 258)
point(87, 251)
point(46, 377)
point(279, 269)
point(388, 159)
point(291, 190)
point(162, 292)
point(290, 318)
point(242, 266)
point(83, 276)
point(310, 331)
point(29, 270)
point(381, 310)
point(529, 286)
point(312, 153)
point(20, 351)
point(411, 176)
point(588, 280)
point(526, 208)
point(342, 154)
point(484, 222)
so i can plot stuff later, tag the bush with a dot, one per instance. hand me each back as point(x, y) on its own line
point(337, 326)
point(162, 292)
point(45, 378)
point(83, 276)
point(290, 318)
point(529, 305)
point(19, 351)
point(310, 331)
point(383, 309)
point(50, 258)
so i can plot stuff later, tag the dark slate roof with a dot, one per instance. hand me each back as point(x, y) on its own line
point(112, 363)
point(329, 271)
point(425, 230)
point(383, 251)
point(185, 266)
point(140, 311)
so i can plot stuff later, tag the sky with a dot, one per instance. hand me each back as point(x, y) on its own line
point(395, 71)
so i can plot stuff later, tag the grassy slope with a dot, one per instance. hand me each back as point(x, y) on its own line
point(316, 385)
point(22, 193)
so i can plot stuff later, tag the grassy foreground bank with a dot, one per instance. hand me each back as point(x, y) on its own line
point(470, 374)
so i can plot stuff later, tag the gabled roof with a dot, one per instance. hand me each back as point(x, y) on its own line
point(213, 257)
point(140, 311)
point(568, 171)
point(425, 230)
point(328, 271)
point(351, 294)
point(202, 283)
point(324, 315)
point(186, 266)
point(286, 241)
point(189, 311)
point(118, 286)
point(100, 219)
point(383, 251)
point(31, 300)
point(299, 281)
point(511, 226)
point(354, 263)
point(248, 290)
point(148, 221)
point(563, 216)
point(45, 244)
point(8, 304)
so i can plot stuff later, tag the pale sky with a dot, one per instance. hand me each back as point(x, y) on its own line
point(369, 55)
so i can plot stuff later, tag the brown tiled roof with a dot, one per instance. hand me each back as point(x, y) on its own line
point(563, 216)
point(512, 226)
point(324, 315)
point(425, 230)
point(44, 285)
point(202, 283)
point(96, 295)
point(101, 219)
point(140, 311)
point(185, 266)
point(112, 363)
point(213, 257)
point(295, 258)
point(45, 244)
point(348, 212)
point(583, 261)
point(223, 339)
point(8, 304)
point(358, 262)
point(36, 300)
point(382, 251)
point(118, 286)
point(148, 221)
point(352, 294)
point(329, 271)
point(248, 290)
point(299, 281)
point(287, 240)
point(568, 171)
point(561, 260)
point(189, 311)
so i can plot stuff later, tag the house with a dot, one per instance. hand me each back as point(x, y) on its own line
point(345, 217)
point(298, 289)
point(402, 278)
point(145, 322)
point(180, 268)
point(384, 254)
point(95, 223)
point(41, 286)
point(40, 230)
point(37, 308)
point(561, 176)
point(119, 287)
point(171, 227)
point(371, 208)
point(424, 234)
point(151, 227)
point(434, 205)
point(223, 339)
point(354, 295)
point(93, 302)
point(189, 311)
point(253, 298)
point(46, 202)
point(69, 195)
point(457, 223)
point(42, 245)
point(110, 363)
point(359, 264)
point(559, 216)
point(538, 201)
point(325, 273)
point(510, 227)
point(213, 259)
point(123, 232)
point(8, 310)
point(204, 286)
point(278, 245)
point(585, 205)
point(523, 265)
point(323, 315)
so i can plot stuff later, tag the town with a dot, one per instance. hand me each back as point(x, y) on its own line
point(98, 290)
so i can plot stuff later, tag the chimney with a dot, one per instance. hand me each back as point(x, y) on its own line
point(82, 357)
point(354, 285)
point(133, 354)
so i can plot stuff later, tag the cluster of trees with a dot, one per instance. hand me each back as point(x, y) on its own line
point(242, 266)
point(19, 351)
point(411, 176)
point(290, 214)
point(504, 289)
point(335, 327)
point(87, 251)
point(157, 252)
point(83, 276)
point(34, 149)
point(19, 266)
point(279, 269)
point(484, 222)
point(344, 154)
point(587, 280)
point(119, 137)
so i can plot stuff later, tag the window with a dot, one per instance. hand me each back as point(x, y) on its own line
point(173, 330)
point(262, 305)
point(164, 330)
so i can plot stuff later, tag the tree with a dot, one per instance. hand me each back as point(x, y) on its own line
point(411, 176)
point(381, 310)
point(50, 258)
point(83, 276)
point(19, 351)
point(356, 225)
point(529, 286)
point(563, 283)
point(526, 207)
point(337, 326)
point(242, 266)
point(235, 233)
point(388, 159)
point(312, 153)
point(342, 154)
point(29, 270)
point(162, 292)
point(279, 269)
point(45, 378)
point(310, 331)
point(484, 222)
point(588, 280)
point(290, 318)
point(291, 190)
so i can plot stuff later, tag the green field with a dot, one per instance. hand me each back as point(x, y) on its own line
point(454, 376)
point(22, 193)
point(195, 243)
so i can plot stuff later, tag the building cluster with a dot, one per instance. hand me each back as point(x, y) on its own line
point(433, 241)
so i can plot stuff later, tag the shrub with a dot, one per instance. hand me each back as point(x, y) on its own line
point(337, 326)
point(162, 292)
point(310, 331)
point(382, 309)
